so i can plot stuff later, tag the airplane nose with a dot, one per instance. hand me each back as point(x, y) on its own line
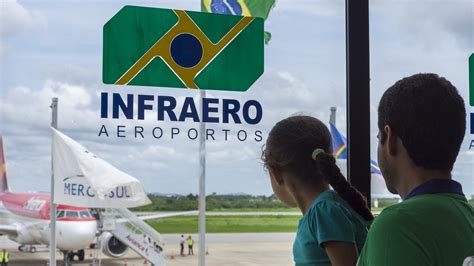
point(75, 235)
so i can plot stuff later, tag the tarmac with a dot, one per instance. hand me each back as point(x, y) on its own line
point(222, 249)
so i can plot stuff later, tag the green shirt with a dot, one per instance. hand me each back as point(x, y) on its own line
point(329, 218)
point(429, 229)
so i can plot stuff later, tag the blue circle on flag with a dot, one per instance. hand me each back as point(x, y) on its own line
point(230, 7)
point(186, 50)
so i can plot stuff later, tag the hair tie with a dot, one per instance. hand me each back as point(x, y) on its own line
point(316, 152)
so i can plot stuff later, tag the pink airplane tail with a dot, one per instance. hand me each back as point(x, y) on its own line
point(3, 169)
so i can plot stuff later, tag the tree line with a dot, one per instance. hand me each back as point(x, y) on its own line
point(217, 202)
point(214, 202)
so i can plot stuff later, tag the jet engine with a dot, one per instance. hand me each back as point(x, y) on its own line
point(111, 246)
point(24, 236)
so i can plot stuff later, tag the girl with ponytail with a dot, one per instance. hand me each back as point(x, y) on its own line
point(298, 156)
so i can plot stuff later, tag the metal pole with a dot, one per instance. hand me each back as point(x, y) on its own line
point(202, 186)
point(332, 118)
point(358, 95)
point(52, 214)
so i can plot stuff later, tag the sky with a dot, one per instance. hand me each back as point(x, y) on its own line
point(54, 49)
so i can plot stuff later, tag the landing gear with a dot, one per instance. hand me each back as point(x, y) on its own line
point(80, 255)
point(27, 248)
point(67, 258)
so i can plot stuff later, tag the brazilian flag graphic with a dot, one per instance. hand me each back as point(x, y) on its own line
point(254, 8)
point(183, 49)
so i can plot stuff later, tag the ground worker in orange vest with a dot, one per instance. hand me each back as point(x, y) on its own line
point(190, 243)
point(4, 258)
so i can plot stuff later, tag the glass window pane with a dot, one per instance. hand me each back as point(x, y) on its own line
point(85, 214)
point(409, 37)
point(60, 214)
point(72, 214)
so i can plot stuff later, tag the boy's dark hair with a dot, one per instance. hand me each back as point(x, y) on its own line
point(289, 148)
point(427, 113)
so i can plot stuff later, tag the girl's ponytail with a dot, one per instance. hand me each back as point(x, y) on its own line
point(326, 163)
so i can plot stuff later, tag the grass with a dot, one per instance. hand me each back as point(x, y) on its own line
point(379, 209)
point(233, 224)
point(228, 224)
point(257, 210)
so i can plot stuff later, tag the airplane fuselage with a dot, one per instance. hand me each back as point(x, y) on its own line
point(29, 215)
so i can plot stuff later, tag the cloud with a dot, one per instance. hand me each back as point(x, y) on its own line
point(313, 7)
point(15, 18)
point(234, 154)
point(233, 165)
point(74, 74)
point(304, 74)
point(154, 161)
point(28, 108)
point(427, 22)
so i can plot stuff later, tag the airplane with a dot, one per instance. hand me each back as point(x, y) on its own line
point(25, 219)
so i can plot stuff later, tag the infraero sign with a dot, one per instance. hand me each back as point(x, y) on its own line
point(181, 49)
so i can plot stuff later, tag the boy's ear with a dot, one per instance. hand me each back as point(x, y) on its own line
point(276, 175)
point(392, 141)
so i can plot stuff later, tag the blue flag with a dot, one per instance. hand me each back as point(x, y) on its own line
point(339, 146)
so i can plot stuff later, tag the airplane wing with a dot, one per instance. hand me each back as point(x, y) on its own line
point(8, 230)
point(163, 215)
point(155, 216)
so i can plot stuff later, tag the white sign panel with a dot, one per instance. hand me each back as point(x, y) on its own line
point(82, 179)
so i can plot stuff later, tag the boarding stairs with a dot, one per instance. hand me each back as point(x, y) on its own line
point(134, 233)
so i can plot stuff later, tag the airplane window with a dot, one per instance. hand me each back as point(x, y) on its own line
point(85, 214)
point(59, 214)
point(72, 214)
